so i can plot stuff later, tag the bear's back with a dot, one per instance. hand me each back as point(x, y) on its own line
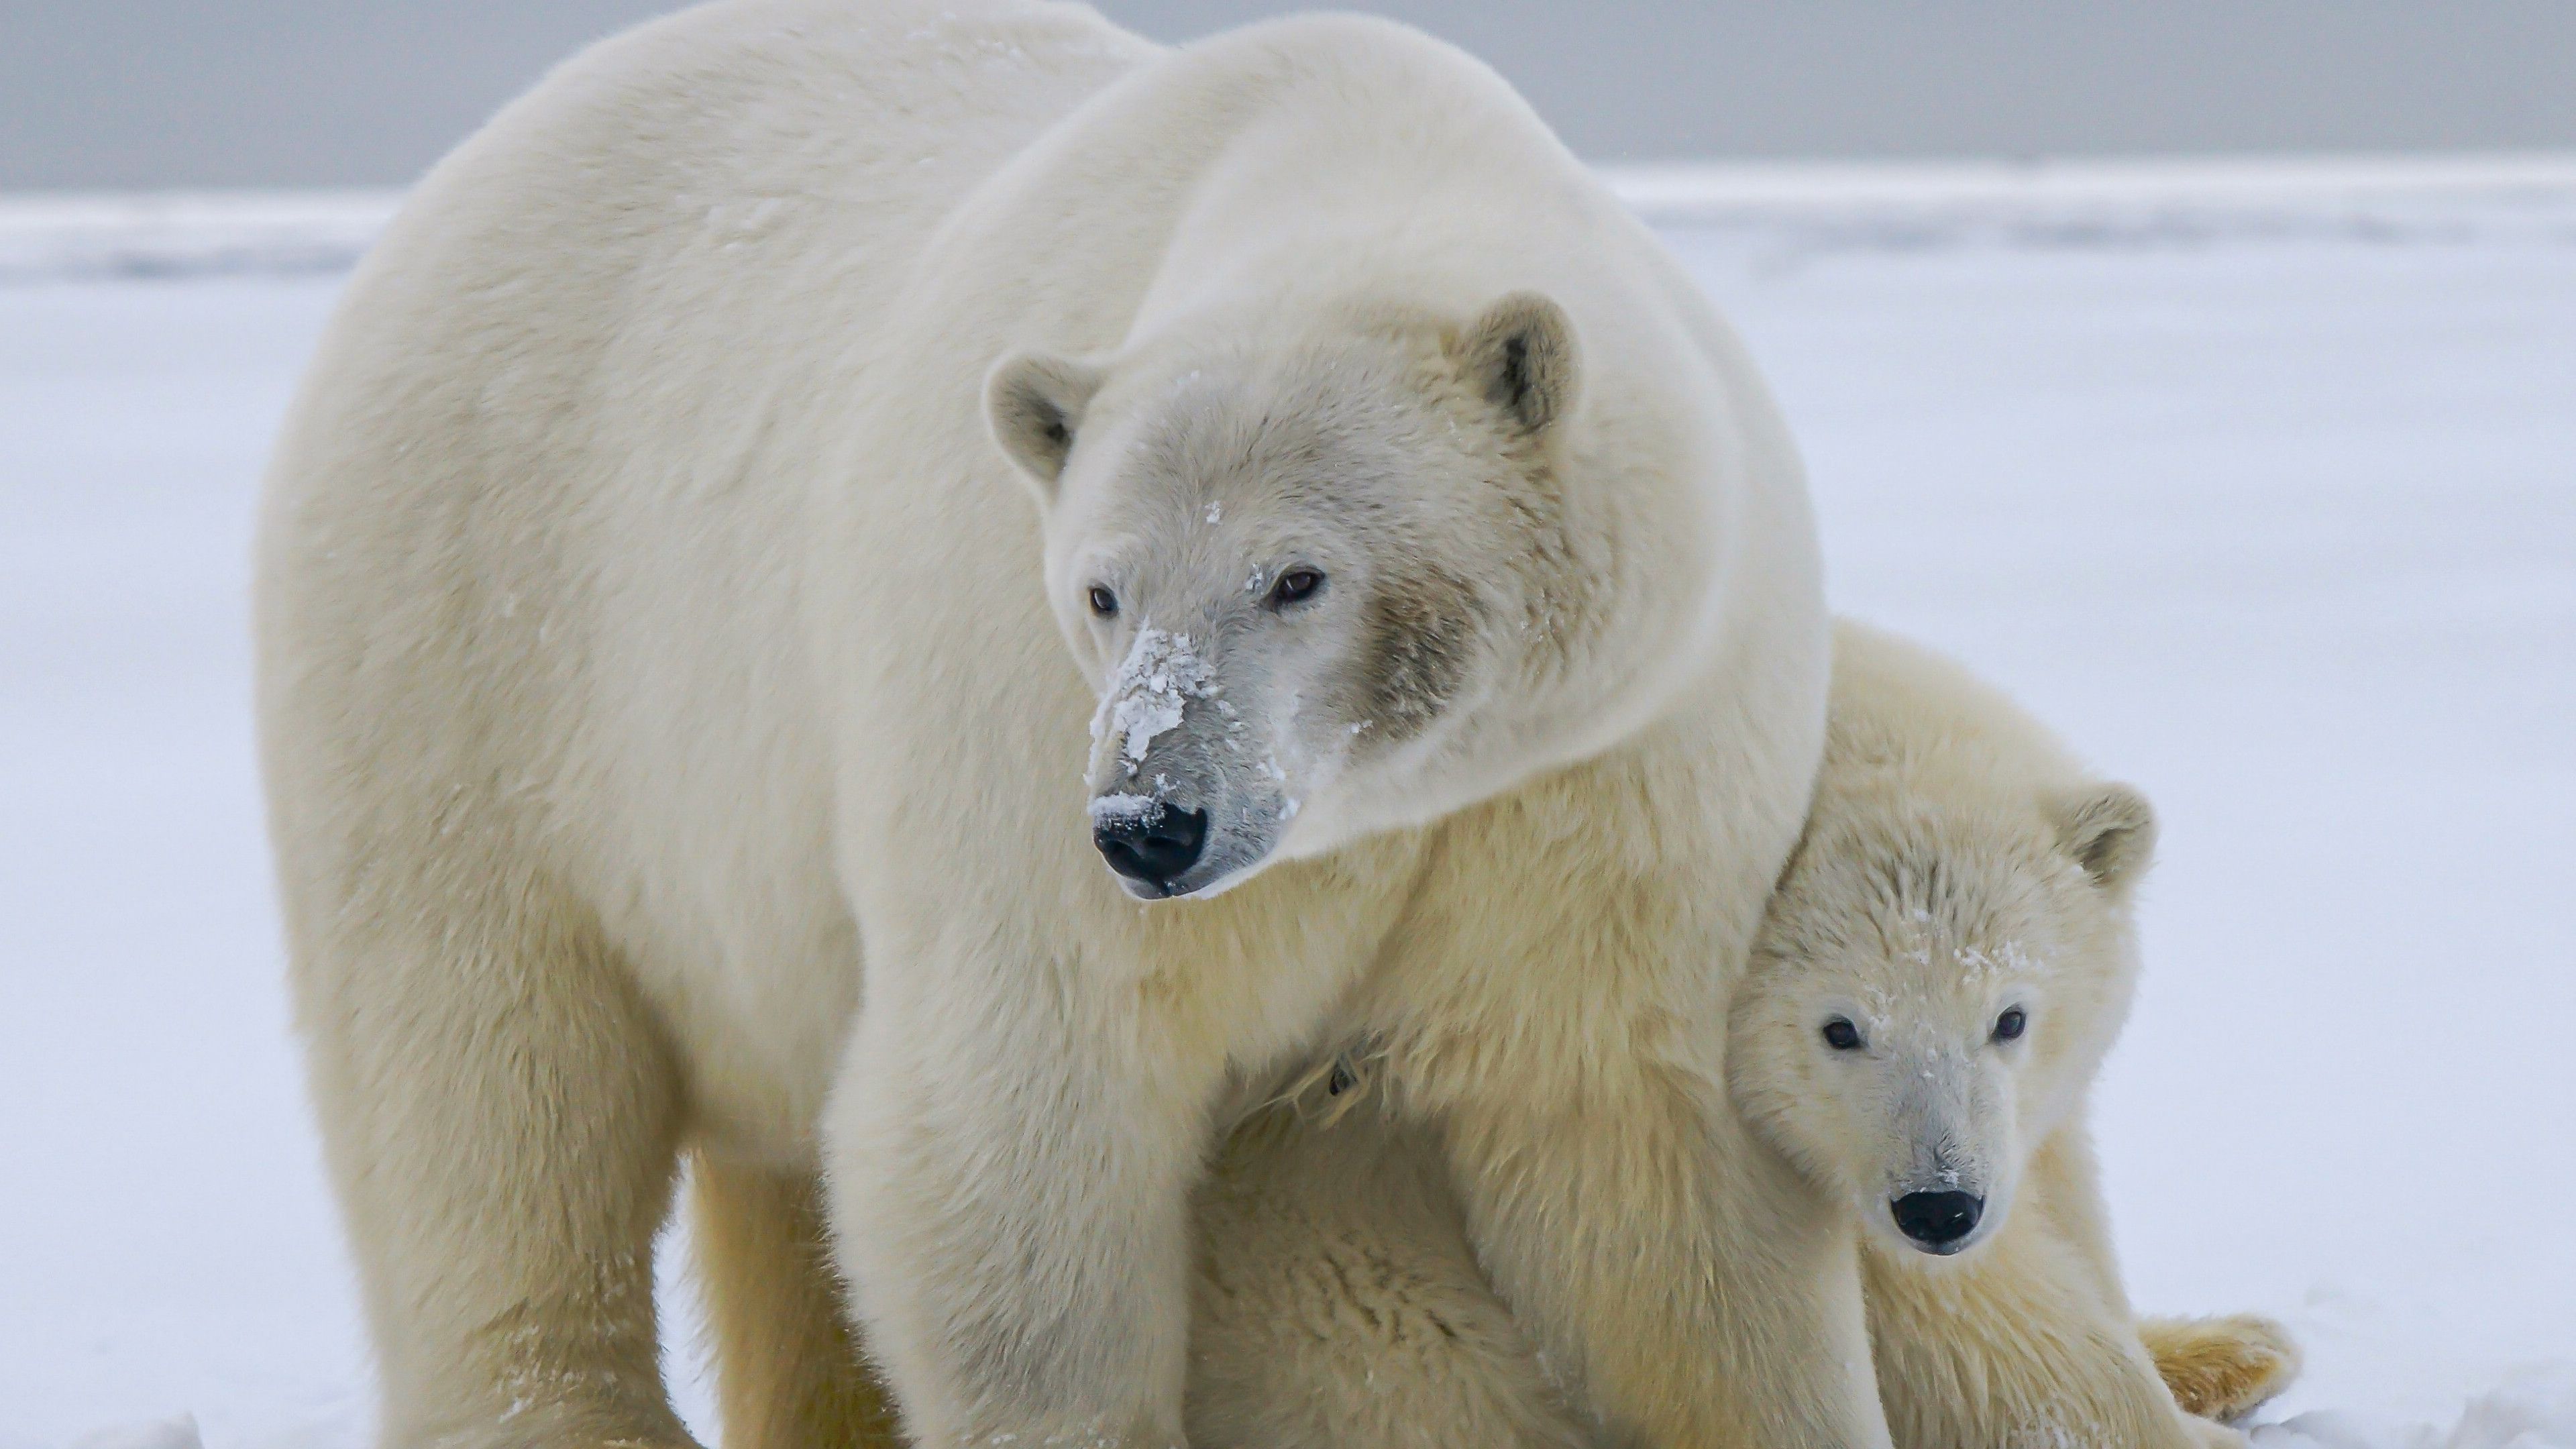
point(1897, 702)
point(531, 523)
point(646, 248)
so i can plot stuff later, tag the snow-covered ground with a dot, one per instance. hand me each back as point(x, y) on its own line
point(2260, 483)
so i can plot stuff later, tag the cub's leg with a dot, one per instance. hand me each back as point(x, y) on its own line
point(501, 1118)
point(789, 1371)
point(2216, 1368)
point(1336, 1304)
point(2029, 1339)
point(1999, 1352)
point(2221, 1368)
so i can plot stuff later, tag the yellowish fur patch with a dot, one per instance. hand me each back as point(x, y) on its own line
point(2221, 1368)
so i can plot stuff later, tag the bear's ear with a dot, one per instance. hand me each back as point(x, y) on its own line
point(1033, 403)
point(2111, 832)
point(1520, 355)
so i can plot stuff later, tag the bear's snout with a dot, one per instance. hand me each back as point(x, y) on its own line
point(1938, 1222)
point(1153, 847)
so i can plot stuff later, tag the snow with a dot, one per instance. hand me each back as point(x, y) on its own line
point(1111, 810)
point(2260, 484)
point(2533, 1409)
point(178, 1433)
point(49, 237)
point(1147, 695)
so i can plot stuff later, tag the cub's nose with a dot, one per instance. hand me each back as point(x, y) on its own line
point(1153, 845)
point(1938, 1220)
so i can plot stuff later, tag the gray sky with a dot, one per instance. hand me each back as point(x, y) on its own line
point(136, 93)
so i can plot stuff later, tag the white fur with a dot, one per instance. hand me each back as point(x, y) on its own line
point(1957, 862)
point(651, 627)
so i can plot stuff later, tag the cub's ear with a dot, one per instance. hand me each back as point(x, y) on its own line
point(1033, 403)
point(1520, 355)
point(2111, 832)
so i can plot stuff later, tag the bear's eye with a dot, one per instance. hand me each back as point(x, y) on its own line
point(1103, 602)
point(2011, 1024)
point(1841, 1035)
point(1295, 586)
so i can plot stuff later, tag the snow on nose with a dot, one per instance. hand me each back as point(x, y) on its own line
point(1150, 692)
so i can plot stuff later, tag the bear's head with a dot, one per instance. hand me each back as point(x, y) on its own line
point(1946, 960)
point(1326, 580)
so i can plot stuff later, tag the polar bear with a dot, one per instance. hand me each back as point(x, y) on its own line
point(1129, 563)
point(1949, 958)
point(1946, 960)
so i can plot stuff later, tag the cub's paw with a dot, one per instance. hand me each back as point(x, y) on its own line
point(2221, 1368)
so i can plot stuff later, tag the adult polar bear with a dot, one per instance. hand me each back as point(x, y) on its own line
point(651, 628)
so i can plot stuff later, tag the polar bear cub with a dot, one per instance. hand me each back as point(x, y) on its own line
point(1947, 961)
point(1944, 964)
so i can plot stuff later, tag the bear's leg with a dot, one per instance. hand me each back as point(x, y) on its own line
point(789, 1371)
point(501, 1116)
point(1664, 1259)
point(1009, 1160)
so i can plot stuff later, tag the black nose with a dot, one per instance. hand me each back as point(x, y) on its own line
point(1938, 1219)
point(1154, 847)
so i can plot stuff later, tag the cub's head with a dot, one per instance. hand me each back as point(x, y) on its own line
point(1943, 966)
point(1312, 580)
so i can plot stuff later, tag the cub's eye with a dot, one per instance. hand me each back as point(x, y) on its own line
point(1103, 602)
point(2011, 1024)
point(1295, 586)
point(1842, 1036)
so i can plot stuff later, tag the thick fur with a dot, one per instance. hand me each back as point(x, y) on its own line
point(1957, 864)
point(1318, 1318)
point(655, 624)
